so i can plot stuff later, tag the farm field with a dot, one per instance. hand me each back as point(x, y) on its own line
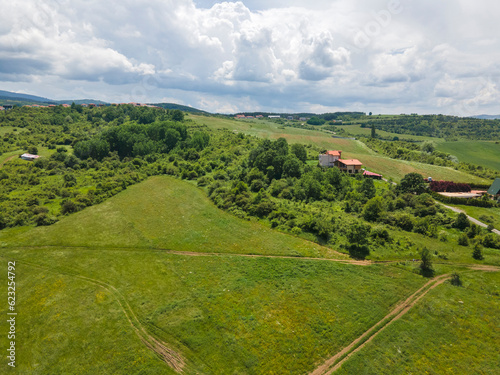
point(475, 152)
point(390, 168)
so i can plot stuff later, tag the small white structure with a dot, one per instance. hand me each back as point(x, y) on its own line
point(328, 160)
point(29, 157)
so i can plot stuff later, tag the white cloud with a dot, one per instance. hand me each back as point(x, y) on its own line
point(262, 54)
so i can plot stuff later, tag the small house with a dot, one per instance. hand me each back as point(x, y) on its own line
point(329, 158)
point(350, 166)
point(29, 157)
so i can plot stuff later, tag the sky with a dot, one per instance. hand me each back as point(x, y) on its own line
point(380, 56)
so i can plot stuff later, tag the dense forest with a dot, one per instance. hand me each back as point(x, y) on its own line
point(91, 154)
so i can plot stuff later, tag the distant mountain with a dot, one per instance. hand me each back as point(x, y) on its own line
point(14, 96)
point(488, 117)
point(81, 101)
point(183, 108)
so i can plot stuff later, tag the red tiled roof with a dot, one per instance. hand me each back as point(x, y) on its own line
point(334, 153)
point(350, 162)
point(368, 173)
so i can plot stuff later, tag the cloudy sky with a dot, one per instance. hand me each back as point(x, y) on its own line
point(384, 56)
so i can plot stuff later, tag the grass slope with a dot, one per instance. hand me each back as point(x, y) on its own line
point(475, 152)
point(166, 213)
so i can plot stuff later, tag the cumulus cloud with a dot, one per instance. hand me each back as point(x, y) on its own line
point(255, 54)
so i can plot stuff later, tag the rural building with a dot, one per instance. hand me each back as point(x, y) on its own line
point(274, 116)
point(375, 176)
point(350, 166)
point(463, 195)
point(495, 188)
point(329, 159)
point(2, 108)
point(29, 157)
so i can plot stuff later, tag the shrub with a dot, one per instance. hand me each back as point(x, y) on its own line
point(463, 240)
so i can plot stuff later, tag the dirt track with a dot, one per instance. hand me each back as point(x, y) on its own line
point(6, 160)
point(169, 356)
point(401, 308)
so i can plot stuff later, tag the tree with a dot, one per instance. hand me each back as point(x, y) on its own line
point(32, 150)
point(357, 236)
point(411, 183)
point(463, 240)
point(428, 147)
point(299, 151)
point(177, 115)
point(461, 222)
point(291, 166)
point(373, 134)
point(367, 188)
point(477, 253)
point(426, 262)
point(373, 209)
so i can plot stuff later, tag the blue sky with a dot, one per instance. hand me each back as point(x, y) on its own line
point(383, 56)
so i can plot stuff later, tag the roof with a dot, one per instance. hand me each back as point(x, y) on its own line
point(334, 153)
point(368, 173)
point(30, 156)
point(495, 187)
point(350, 161)
point(460, 195)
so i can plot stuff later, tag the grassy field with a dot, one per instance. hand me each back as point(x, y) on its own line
point(474, 152)
point(452, 331)
point(357, 130)
point(352, 149)
point(224, 313)
point(164, 213)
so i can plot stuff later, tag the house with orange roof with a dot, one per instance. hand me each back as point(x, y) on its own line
point(349, 165)
point(328, 159)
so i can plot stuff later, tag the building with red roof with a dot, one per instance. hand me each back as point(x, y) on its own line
point(349, 165)
point(372, 175)
point(328, 160)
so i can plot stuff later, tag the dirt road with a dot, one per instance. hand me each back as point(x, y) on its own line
point(401, 308)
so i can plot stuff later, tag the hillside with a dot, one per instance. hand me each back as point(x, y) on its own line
point(153, 241)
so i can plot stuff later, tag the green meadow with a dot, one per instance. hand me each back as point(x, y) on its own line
point(475, 152)
point(182, 266)
point(453, 330)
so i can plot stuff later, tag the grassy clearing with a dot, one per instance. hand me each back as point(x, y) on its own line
point(466, 343)
point(475, 152)
point(166, 213)
point(225, 314)
point(7, 155)
point(10, 129)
